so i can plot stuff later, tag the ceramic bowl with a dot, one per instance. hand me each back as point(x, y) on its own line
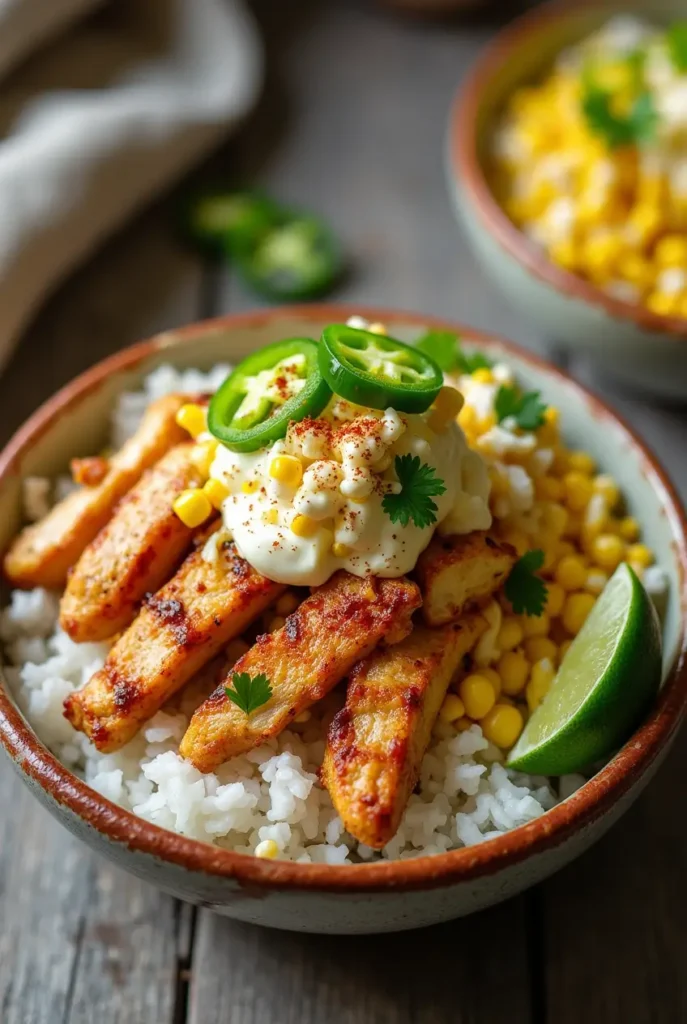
point(633, 344)
point(368, 897)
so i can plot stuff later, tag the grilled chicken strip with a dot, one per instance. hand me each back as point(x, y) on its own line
point(43, 553)
point(177, 631)
point(133, 554)
point(459, 574)
point(341, 622)
point(377, 741)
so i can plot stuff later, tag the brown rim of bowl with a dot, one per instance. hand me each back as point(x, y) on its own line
point(467, 169)
point(588, 804)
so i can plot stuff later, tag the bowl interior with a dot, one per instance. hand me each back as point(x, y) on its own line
point(82, 427)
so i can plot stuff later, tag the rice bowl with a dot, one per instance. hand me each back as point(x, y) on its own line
point(273, 795)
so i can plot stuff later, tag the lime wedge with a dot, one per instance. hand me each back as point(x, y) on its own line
point(603, 687)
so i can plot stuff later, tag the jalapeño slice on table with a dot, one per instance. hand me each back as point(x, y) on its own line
point(276, 385)
point(378, 371)
point(297, 258)
point(221, 220)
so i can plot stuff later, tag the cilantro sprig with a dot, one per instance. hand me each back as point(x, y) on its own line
point(445, 349)
point(676, 41)
point(249, 692)
point(637, 127)
point(419, 483)
point(523, 588)
point(525, 407)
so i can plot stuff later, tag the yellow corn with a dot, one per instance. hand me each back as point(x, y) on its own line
point(571, 572)
point(340, 550)
point(304, 526)
point(608, 551)
point(203, 455)
point(477, 694)
point(452, 708)
point(537, 688)
point(502, 725)
point(249, 486)
point(446, 407)
point(192, 418)
point(537, 648)
point(192, 507)
point(641, 554)
point(216, 492)
point(513, 668)
point(270, 517)
point(267, 849)
point(577, 608)
point(287, 470)
point(510, 634)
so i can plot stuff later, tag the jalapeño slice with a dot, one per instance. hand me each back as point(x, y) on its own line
point(377, 371)
point(297, 258)
point(271, 388)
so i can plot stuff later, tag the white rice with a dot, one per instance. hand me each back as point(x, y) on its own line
point(465, 794)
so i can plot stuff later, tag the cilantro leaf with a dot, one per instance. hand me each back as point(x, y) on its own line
point(527, 409)
point(250, 692)
point(636, 128)
point(445, 349)
point(418, 484)
point(676, 40)
point(525, 590)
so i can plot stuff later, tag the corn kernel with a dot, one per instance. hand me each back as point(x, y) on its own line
point(452, 708)
point(192, 418)
point(361, 499)
point(304, 526)
point(641, 554)
point(510, 634)
point(637, 568)
point(555, 598)
point(563, 650)
point(270, 517)
point(582, 462)
point(203, 455)
point(502, 725)
point(286, 604)
point(608, 551)
point(249, 486)
point(278, 622)
point(596, 581)
point(216, 492)
point(555, 518)
point(565, 253)
point(477, 695)
point(287, 470)
point(518, 539)
point(467, 419)
point(494, 678)
point(578, 490)
point(577, 608)
point(482, 375)
point(634, 268)
point(192, 507)
point(541, 677)
point(644, 223)
point(463, 724)
point(548, 488)
point(606, 486)
point(447, 405)
point(539, 647)
point(377, 328)
point(671, 251)
point(304, 716)
point(513, 669)
point(571, 572)
point(267, 849)
point(663, 303)
point(535, 625)
point(628, 528)
point(340, 550)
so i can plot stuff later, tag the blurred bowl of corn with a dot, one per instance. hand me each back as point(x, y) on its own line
point(567, 163)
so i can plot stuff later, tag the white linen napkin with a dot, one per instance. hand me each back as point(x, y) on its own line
point(99, 120)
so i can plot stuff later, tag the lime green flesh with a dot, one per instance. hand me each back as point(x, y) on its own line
point(603, 688)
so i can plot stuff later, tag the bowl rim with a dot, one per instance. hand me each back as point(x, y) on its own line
point(467, 170)
point(41, 769)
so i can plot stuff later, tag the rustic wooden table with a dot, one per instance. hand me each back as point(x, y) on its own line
point(352, 124)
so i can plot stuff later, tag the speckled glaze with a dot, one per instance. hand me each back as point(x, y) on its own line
point(371, 897)
point(630, 342)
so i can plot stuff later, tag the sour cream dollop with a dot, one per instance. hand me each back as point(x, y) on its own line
point(347, 466)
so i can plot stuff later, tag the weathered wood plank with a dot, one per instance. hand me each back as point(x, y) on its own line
point(79, 940)
point(248, 975)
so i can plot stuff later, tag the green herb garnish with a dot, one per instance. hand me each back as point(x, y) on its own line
point(676, 41)
point(526, 409)
point(418, 483)
point(638, 127)
point(250, 692)
point(445, 349)
point(524, 589)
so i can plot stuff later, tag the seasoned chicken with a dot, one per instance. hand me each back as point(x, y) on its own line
point(341, 622)
point(133, 554)
point(459, 574)
point(44, 552)
point(177, 631)
point(377, 741)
